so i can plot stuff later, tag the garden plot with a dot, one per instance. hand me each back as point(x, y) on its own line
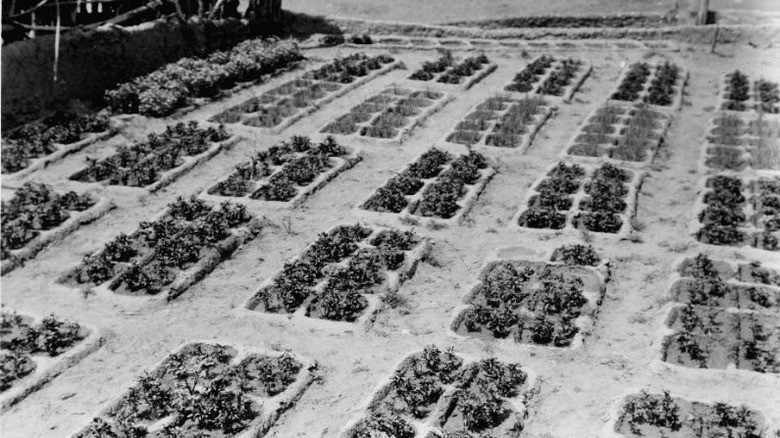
point(625, 135)
point(287, 173)
point(569, 196)
point(341, 276)
point(451, 71)
point(391, 115)
point(501, 121)
point(739, 212)
point(715, 338)
point(536, 302)
point(167, 255)
point(660, 86)
point(736, 143)
point(438, 185)
point(282, 106)
point(661, 415)
point(551, 77)
point(36, 145)
point(37, 215)
point(747, 286)
point(34, 352)
point(207, 389)
point(737, 94)
point(190, 82)
point(435, 393)
point(158, 161)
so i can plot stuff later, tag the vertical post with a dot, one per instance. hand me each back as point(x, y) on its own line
point(701, 16)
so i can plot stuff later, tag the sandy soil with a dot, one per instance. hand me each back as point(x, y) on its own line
point(442, 11)
point(578, 386)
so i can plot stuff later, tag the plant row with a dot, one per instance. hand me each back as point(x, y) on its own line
point(710, 337)
point(283, 171)
point(451, 398)
point(736, 144)
point(387, 114)
point(168, 253)
point(21, 341)
point(737, 95)
point(202, 390)
point(146, 162)
point(549, 76)
point(751, 272)
point(333, 276)
point(645, 414)
point(292, 98)
point(433, 185)
point(449, 71)
point(530, 77)
point(660, 85)
point(534, 303)
point(507, 122)
point(173, 86)
point(602, 199)
point(620, 133)
point(728, 217)
point(36, 208)
point(39, 139)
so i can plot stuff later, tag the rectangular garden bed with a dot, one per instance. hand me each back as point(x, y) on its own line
point(167, 255)
point(627, 135)
point(37, 144)
point(533, 302)
point(706, 282)
point(158, 161)
point(660, 86)
point(571, 197)
point(453, 71)
point(738, 211)
point(661, 415)
point(286, 173)
point(737, 93)
point(391, 115)
point(501, 121)
point(282, 106)
point(552, 77)
point(37, 216)
point(434, 393)
point(737, 143)
point(438, 185)
point(208, 389)
point(714, 338)
point(35, 350)
point(343, 274)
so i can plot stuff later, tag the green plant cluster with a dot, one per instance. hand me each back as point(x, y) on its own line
point(553, 197)
point(525, 80)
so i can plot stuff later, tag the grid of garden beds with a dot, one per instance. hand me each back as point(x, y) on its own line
point(739, 211)
point(37, 144)
point(626, 135)
point(501, 121)
point(390, 115)
point(570, 196)
point(552, 77)
point(169, 254)
point(453, 71)
point(436, 394)
point(288, 172)
point(37, 216)
point(190, 82)
point(534, 302)
point(35, 350)
point(207, 389)
point(738, 94)
point(736, 143)
point(645, 414)
point(660, 86)
point(438, 185)
point(158, 161)
point(343, 274)
point(282, 106)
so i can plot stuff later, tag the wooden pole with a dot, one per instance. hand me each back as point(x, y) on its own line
point(701, 16)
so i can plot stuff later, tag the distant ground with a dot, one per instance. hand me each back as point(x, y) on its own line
point(442, 11)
